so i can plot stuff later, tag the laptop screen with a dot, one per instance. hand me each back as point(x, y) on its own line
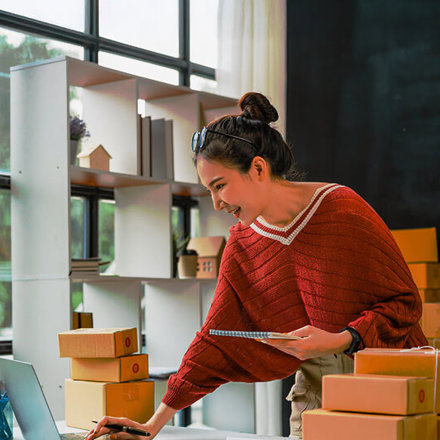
point(28, 402)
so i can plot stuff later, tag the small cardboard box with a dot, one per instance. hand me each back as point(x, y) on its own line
point(82, 320)
point(417, 245)
point(320, 424)
point(381, 394)
point(87, 401)
point(121, 369)
point(430, 295)
point(209, 251)
point(98, 342)
point(430, 321)
point(399, 362)
point(426, 275)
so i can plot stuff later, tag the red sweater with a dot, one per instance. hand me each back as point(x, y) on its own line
point(335, 265)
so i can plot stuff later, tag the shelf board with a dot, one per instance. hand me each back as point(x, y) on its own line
point(87, 277)
point(108, 179)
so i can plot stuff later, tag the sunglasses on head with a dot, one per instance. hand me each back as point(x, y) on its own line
point(199, 137)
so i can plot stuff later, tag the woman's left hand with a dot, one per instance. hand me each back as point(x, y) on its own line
point(314, 342)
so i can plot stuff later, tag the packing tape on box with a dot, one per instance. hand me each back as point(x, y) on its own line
point(436, 351)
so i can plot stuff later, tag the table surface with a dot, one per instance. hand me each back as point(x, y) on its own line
point(179, 433)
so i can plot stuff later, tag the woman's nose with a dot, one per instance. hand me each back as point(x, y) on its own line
point(216, 201)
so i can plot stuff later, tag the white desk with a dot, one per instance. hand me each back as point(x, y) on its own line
point(178, 433)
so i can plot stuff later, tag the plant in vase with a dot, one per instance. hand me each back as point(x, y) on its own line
point(78, 131)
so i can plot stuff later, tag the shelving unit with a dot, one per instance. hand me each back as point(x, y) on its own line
point(41, 178)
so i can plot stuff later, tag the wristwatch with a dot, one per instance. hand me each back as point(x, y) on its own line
point(355, 343)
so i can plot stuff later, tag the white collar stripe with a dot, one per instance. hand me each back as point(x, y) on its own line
point(288, 233)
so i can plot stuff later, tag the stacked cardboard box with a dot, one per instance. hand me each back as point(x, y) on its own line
point(107, 378)
point(419, 248)
point(365, 406)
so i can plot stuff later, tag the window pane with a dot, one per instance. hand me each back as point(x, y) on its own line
point(204, 84)
point(77, 225)
point(5, 264)
point(139, 68)
point(17, 48)
point(203, 32)
point(149, 24)
point(106, 243)
point(66, 13)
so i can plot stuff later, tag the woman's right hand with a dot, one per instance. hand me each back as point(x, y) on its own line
point(101, 429)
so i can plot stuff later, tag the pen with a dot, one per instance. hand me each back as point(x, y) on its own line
point(127, 429)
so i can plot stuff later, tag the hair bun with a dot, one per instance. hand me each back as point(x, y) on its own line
point(256, 106)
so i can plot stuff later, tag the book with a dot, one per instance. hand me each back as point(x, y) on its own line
point(158, 149)
point(252, 335)
point(146, 146)
point(169, 149)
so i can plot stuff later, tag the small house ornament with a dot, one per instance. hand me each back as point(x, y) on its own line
point(209, 250)
point(96, 157)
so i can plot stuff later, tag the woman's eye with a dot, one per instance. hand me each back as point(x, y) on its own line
point(219, 186)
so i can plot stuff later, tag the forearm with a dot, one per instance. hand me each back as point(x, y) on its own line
point(163, 414)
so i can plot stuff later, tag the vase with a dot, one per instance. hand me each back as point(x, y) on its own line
point(187, 266)
point(73, 151)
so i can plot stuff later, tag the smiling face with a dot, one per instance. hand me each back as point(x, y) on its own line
point(238, 194)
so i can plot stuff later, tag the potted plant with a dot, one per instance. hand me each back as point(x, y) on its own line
point(185, 260)
point(78, 131)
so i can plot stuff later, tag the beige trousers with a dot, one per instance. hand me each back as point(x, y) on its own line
point(306, 392)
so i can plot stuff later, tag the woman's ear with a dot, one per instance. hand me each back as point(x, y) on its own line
point(260, 167)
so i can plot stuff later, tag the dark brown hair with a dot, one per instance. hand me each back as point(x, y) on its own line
point(252, 124)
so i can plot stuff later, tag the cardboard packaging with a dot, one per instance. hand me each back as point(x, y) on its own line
point(87, 401)
point(430, 321)
point(82, 320)
point(382, 394)
point(320, 424)
point(417, 245)
point(98, 342)
point(426, 275)
point(430, 295)
point(121, 369)
point(209, 251)
point(399, 362)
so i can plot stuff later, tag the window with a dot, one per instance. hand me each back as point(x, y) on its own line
point(144, 37)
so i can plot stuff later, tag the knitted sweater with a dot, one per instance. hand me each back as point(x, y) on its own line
point(335, 265)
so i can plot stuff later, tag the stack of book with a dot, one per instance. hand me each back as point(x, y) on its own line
point(89, 265)
point(107, 377)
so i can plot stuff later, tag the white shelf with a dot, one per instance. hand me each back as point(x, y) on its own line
point(41, 179)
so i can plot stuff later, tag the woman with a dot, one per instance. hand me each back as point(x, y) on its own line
point(306, 258)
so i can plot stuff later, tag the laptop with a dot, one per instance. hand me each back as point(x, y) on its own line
point(28, 402)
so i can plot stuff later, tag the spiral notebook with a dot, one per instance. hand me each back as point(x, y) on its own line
point(252, 335)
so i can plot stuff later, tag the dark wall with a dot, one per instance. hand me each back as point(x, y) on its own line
point(363, 101)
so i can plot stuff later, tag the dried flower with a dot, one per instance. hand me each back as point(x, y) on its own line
point(78, 129)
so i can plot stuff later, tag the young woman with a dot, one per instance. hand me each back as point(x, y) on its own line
point(307, 258)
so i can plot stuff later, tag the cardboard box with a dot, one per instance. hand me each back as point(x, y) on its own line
point(209, 251)
point(430, 295)
point(382, 394)
point(87, 401)
point(426, 275)
point(430, 321)
point(320, 424)
point(98, 342)
point(417, 245)
point(399, 362)
point(121, 369)
point(82, 320)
